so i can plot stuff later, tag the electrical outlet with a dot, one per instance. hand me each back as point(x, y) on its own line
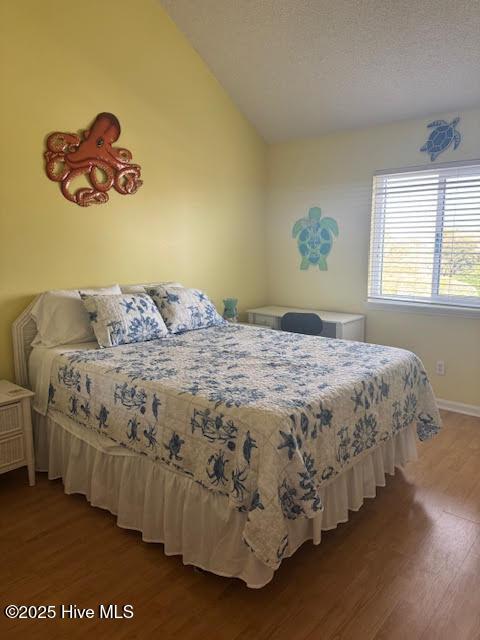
point(440, 368)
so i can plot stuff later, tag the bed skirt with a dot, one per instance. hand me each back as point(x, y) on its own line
point(187, 519)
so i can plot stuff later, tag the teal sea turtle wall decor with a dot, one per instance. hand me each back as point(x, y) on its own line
point(314, 236)
point(441, 137)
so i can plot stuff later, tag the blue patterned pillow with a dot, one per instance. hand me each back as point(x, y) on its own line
point(122, 319)
point(185, 309)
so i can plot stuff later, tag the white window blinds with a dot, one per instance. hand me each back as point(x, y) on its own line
point(425, 236)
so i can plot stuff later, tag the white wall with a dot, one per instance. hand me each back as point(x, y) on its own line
point(335, 173)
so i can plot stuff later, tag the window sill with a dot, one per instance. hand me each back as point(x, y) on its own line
point(423, 308)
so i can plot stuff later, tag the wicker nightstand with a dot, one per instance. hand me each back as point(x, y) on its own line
point(16, 442)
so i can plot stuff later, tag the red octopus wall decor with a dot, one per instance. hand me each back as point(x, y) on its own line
point(91, 154)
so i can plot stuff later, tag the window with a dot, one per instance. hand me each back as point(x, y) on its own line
point(425, 236)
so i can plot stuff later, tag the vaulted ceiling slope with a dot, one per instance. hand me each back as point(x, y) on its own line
point(299, 68)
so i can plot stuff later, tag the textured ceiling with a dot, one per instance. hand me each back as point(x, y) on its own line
point(304, 67)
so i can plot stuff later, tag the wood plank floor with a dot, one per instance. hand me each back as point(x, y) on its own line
point(407, 565)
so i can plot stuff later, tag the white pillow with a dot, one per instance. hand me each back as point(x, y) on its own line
point(142, 288)
point(61, 317)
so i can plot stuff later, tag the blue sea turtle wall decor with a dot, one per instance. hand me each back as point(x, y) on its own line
point(314, 236)
point(441, 137)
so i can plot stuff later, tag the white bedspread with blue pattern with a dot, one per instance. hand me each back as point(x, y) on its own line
point(262, 417)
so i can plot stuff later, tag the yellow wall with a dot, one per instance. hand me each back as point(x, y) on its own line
point(335, 172)
point(199, 217)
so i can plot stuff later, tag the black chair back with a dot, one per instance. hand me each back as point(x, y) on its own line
point(307, 323)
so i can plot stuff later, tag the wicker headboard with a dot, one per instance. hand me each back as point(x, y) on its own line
point(24, 330)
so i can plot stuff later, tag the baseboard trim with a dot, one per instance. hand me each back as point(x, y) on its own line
point(459, 407)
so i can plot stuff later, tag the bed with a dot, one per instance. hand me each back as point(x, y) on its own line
point(231, 445)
